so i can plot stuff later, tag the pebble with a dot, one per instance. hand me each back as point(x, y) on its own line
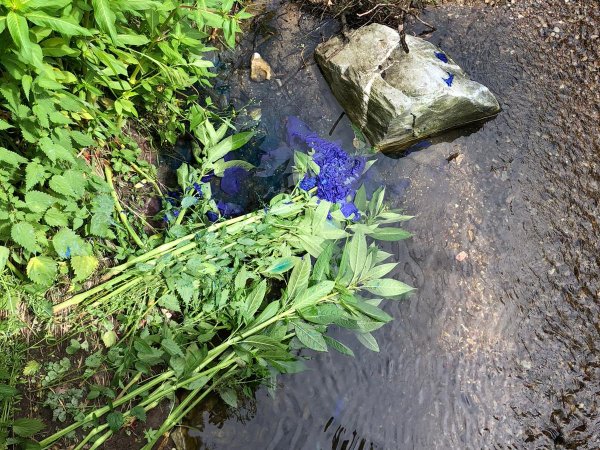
point(260, 70)
point(462, 256)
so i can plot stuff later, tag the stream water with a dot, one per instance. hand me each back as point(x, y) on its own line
point(499, 350)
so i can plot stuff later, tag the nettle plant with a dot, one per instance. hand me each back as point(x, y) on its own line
point(72, 74)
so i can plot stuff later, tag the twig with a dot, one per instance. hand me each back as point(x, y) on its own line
point(336, 123)
point(373, 9)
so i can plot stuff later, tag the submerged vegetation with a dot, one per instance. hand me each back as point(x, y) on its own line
point(109, 312)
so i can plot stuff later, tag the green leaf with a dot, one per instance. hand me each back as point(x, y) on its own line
point(322, 265)
point(18, 29)
point(94, 360)
point(68, 186)
point(264, 343)
point(170, 302)
point(83, 266)
point(188, 201)
point(105, 18)
point(4, 254)
point(60, 24)
point(115, 420)
point(313, 294)
point(41, 270)
point(310, 337)
point(337, 345)
point(35, 173)
point(7, 391)
point(31, 368)
point(387, 287)
point(227, 145)
point(26, 82)
point(255, 299)
point(67, 243)
point(27, 427)
point(298, 281)
point(39, 201)
point(320, 215)
point(109, 338)
point(357, 249)
point(4, 125)
point(390, 234)
point(368, 341)
point(380, 270)
point(171, 347)
point(82, 139)
point(327, 314)
point(10, 157)
point(281, 265)
point(229, 396)
point(55, 150)
point(23, 234)
point(132, 39)
point(360, 198)
point(267, 313)
point(56, 218)
point(139, 413)
point(370, 310)
point(312, 244)
point(221, 166)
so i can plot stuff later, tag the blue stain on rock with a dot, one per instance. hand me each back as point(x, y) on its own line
point(449, 80)
point(441, 56)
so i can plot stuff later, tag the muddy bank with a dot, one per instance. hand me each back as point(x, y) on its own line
point(498, 350)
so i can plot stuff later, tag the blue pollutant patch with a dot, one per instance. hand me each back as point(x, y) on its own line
point(449, 80)
point(308, 183)
point(350, 210)
point(68, 252)
point(338, 170)
point(441, 56)
point(212, 216)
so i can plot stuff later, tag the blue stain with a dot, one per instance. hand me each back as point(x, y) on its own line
point(229, 209)
point(441, 56)
point(68, 252)
point(206, 178)
point(212, 216)
point(198, 189)
point(337, 169)
point(339, 407)
point(449, 80)
point(308, 183)
point(350, 210)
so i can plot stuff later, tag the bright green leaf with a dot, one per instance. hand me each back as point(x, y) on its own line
point(41, 270)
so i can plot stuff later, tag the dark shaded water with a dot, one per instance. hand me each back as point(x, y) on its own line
point(496, 351)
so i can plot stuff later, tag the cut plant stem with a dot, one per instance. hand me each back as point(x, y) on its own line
point(148, 178)
point(187, 404)
point(122, 216)
point(163, 391)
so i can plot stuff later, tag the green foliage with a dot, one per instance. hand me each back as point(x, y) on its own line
point(72, 74)
point(231, 303)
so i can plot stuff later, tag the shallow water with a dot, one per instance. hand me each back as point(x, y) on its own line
point(496, 351)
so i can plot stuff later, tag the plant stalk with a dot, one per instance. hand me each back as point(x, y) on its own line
point(109, 179)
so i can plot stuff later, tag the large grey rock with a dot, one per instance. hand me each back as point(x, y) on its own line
point(397, 98)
